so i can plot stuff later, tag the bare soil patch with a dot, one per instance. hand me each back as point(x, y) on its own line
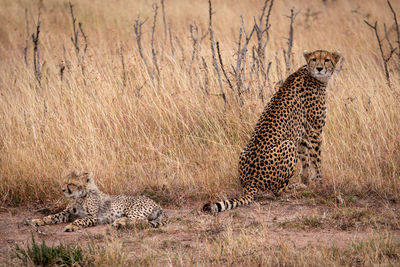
point(299, 222)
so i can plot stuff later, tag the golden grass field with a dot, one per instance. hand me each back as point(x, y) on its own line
point(172, 137)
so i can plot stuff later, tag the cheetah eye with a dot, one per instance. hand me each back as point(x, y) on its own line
point(314, 59)
point(327, 60)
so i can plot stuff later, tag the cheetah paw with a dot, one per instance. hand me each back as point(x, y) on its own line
point(297, 187)
point(71, 228)
point(37, 222)
point(119, 223)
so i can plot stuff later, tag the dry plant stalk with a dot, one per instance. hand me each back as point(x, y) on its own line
point(164, 20)
point(36, 54)
point(397, 29)
point(385, 59)
point(223, 68)
point(80, 55)
point(262, 30)
point(212, 42)
point(153, 49)
point(121, 52)
point(27, 37)
point(138, 32)
point(287, 54)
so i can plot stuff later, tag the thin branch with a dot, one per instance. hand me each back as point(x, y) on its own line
point(288, 54)
point(259, 59)
point(36, 54)
point(164, 20)
point(153, 50)
point(222, 67)
point(86, 43)
point(171, 42)
point(183, 60)
point(206, 80)
point(121, 52)
point(240, 70)
point(396, 24)
point(384, 59)
point(213, 53)
point(75, 37)
point(75, 40)
point(27, 37)
point(138, 32)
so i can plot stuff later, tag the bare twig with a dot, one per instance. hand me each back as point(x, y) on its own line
point(171, 42)
point(80, 55)
point(121, 52)
point(396, 25)
point(61, 72)
point(259, 59)
point(213, 53)
point(206, 80)
point(240, 69)
point(36, 54)
point(75, 37)
point(164, 20)
point(222, 67)
point(86, 43)
point(196, 40)
point(309, 14)
point(288, 54)
point(178, 42)
point(27, 37)
point(138, 32)
point(153, 50)
point(139, 89)
point(385, 59)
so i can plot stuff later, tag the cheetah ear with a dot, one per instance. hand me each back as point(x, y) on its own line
point(337, 55)
point(75, 173)
point(306, 55)
point(89, 176)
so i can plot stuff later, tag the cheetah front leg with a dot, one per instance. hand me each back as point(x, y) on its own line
point(315, 157)
point(61, 217)
point(81, 223)
point(303, 153)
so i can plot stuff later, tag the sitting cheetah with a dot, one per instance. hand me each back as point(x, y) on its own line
point(92, 207)
point(289, 128)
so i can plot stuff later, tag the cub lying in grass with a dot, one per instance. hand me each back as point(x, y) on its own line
point(92, 207)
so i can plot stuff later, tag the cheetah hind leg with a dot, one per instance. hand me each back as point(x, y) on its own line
point(286, 161)
point(157, 218)
point(125, 222)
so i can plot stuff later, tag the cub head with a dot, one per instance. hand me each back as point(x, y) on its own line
point(77, 184)
point(321, 64)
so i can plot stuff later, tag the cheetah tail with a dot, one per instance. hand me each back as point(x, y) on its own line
point(228, 204)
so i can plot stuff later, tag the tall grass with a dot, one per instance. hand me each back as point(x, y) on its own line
point(177, 135)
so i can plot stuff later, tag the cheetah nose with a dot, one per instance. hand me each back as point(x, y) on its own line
point(319, 69)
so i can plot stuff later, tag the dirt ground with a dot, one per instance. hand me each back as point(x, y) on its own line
point(299, 221)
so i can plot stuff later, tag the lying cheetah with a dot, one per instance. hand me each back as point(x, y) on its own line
point(92, 207)
point(289, 128)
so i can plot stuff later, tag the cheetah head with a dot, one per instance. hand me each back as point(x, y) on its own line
point(77, 184)
point(321, 64)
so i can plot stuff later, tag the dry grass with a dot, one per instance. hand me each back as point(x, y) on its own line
point(170, 136)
